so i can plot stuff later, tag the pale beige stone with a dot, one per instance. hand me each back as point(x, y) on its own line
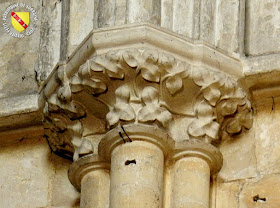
point(90, 175)
point(61, 191)
point(227, 194)
point(25, 171)
point(95, 187)
point(263, 193)
point(267, 138)
point(191, 181)
point(240, 157)
point(140, 184)
point(262, 27)
point(79, 26)
point(192, 163)
point(136, 166)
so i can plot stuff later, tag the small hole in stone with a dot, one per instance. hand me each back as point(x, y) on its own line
point(257, 198)
point(128, 162)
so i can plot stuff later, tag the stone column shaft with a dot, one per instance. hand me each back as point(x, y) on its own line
point(193, 163)
point(90, 175)
point(137, 175)
point(137, 166)
point(95, 188)
point(191, 182)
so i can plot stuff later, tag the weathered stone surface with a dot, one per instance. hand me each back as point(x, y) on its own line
point(50, 38)
point(267, 137)
point(263, 193)
point(239, 156)
point(79, 24)
point(262, 27)
point(61, 191)
point(228, 27)
point(227, 194)
point(33, 177)
point(25, 172)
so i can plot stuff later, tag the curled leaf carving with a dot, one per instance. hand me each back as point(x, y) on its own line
point(174, 84)
point(204, 125)
point(131, 57)
point(149, 68)
point(139, 77)
point(94, 85)
point(152, 110)
point(121, 110)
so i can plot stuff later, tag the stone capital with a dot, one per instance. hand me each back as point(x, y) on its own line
point(184, 94)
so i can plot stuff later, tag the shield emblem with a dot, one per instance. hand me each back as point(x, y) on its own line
point(20, 20)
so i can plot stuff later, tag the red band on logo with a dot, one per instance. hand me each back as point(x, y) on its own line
point(20, 21)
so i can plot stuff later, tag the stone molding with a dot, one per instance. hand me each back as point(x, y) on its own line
point(84, 165)
point(136, 132)
point(196, 148)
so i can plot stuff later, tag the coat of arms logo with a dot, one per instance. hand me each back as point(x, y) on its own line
point(22, 22)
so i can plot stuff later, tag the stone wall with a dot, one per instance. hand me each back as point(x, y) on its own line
point(250, 174)
point(31, 176)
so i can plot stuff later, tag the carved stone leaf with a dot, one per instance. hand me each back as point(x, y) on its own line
point(127, 113)
point(114, 56)
point(150, 95)
point(59, 121)
point(130, 57)
point(174, 84)
point(122, 110)
point(239, 93)
point(212, 93)
point(148, 113)
point(166, 61)
point(150, 72)
point(64, 93)
point(122, 94)
point(204, 110)
point(96, 85)
point(212, 129)
point(247, 119)
point(75, 109)
point(76, 84)
point(112, 118)
point(196, 128)
point(150, 56)
point(96, 64)
point(113, 71)
point(227, 89)
point(85, 147)
point(184, 71)
point(233, 125)
point(202, 77)
point(227, 107)
point(84, 69)
point(164, 117)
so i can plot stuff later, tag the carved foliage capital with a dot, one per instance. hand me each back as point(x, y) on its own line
point(147, 86)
